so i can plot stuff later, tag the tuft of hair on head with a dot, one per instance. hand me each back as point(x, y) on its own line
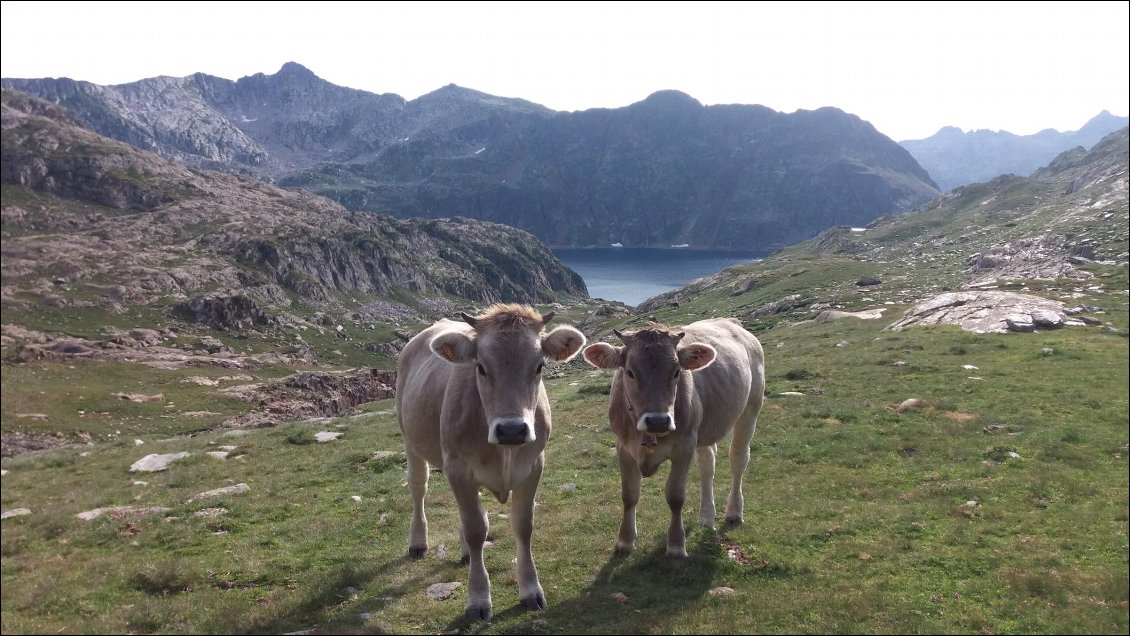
point(653, 333)
point(506, 316)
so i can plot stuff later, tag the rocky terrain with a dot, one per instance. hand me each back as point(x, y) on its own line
point(955, 158)
point(1062, 232)
point(90, 223)
point(663, 171)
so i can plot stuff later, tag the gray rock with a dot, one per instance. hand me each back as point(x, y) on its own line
point(155, 462)
point(909, 404)
point(442, 591)
point(14, 512)
point(832, 314)
point(222, 312)
point(1046, 319)
point(1020, 322)
point(120, 511)
point(327, 436)
point(780, 305)
point(220, 492)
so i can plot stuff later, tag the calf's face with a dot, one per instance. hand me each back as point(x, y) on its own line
point(508, 364)
point(650, 364)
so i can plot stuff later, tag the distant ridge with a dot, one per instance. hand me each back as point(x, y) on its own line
point(955, 158)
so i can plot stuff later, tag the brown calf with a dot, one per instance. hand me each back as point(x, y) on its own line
point(677, 390)
point(469, 398)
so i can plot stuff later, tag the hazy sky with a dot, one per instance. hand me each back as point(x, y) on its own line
point(909, 68)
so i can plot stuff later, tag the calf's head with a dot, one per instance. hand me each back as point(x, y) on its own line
point(507, 351)
point(651, 363)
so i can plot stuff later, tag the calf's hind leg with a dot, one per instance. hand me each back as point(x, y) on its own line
point(418, 484)
point(706, 509)
point(739, 459)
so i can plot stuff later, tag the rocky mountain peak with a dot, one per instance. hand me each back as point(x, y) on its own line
point(672, 99)
point(294, 69)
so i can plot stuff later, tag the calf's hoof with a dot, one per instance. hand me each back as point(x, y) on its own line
point(734, 521)
point(479, 612)
point(417, 552)
point(706, 522)
point(624, 549)
point(677, 552)
point(535, 602)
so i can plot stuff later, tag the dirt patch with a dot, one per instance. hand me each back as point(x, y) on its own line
point(960, 416)
point(12, 444)
point(311, 394)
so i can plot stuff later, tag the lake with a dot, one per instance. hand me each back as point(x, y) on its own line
point(633, 274)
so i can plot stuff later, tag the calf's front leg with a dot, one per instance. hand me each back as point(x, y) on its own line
point(676, 492)
point(530, 593)
point(630, 493)
point(474, 522)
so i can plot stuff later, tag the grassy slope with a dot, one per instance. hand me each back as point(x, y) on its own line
point(856, 515)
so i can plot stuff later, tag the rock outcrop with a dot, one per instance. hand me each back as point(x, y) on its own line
point(90, 222)
point(987, 312)
point(311, 394)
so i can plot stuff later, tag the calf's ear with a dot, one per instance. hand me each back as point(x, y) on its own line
point(696, 356)
point(603, 355)
point(562, 343)
point(454, 347)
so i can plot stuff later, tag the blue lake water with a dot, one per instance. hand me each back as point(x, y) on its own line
point(633, 274)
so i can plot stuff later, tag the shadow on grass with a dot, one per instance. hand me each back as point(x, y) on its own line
point(314, 613)
point(660, 588)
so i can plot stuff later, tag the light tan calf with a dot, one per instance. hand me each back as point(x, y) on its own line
point(675, 390)
point(469, 398)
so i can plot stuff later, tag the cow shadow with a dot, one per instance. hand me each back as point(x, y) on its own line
point(641, 592)
point(312, 614)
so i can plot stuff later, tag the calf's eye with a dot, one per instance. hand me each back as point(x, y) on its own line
point(540, 367)
point(482, 371)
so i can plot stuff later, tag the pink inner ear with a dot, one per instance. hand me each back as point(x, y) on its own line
point(598, 356)
point(695, 357)
point(448, 351)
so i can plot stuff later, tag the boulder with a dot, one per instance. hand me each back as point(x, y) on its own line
point(985, 312)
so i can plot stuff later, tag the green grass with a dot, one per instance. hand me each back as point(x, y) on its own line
point(79, 396)
point(857, 518)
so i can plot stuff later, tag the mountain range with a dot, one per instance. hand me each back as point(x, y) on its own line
point(955, 158)
point(666, 170)
point(95, 225)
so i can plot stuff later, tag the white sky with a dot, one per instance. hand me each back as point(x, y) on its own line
point(908, 68)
